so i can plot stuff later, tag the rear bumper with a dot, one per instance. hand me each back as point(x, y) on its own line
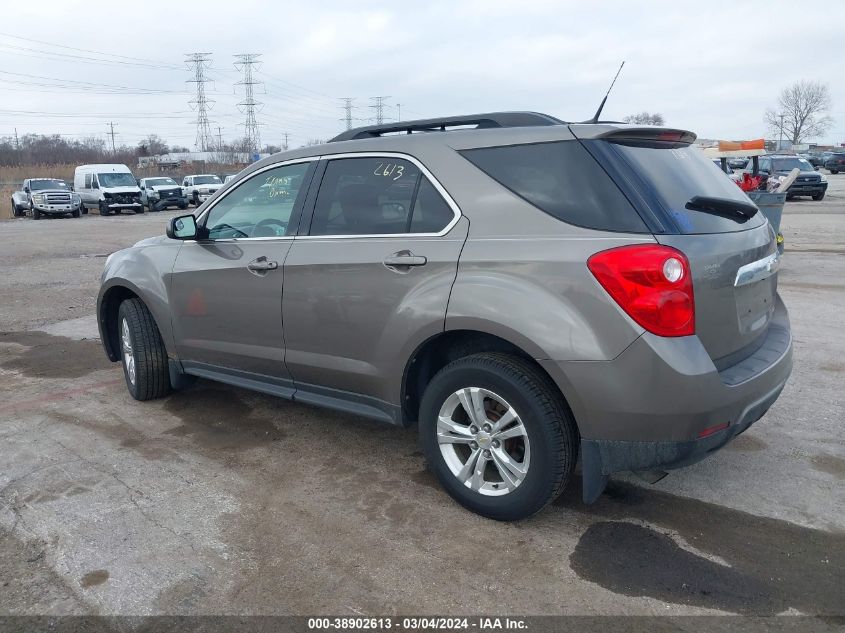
point(655, 405)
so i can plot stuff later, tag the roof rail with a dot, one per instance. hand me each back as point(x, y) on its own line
point(489, 120)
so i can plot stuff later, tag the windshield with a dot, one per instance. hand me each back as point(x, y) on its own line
point(207, 180)
point(160, 182)
point(116, 180)
point(35, 185)
point(788, 164)
point(676, 173)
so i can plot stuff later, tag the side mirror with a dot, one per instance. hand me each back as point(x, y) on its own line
point(26, 189)
point(95, 185)
point(183, 227)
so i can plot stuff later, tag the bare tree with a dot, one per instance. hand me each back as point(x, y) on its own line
point(153, 145)
point(645, 118)
point(802, 111)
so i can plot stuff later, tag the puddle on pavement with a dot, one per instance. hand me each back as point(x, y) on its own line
point(221, 419)
point(773, 565)
point(94, 578)
point(830, 464)
point(49, 356)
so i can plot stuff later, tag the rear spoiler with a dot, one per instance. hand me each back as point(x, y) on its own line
point(622, 132)
point(649, 134)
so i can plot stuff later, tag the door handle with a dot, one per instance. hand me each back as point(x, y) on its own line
point(261, 265)
point(404, 259)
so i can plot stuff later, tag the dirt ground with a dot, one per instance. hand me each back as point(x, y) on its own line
point(217, 500)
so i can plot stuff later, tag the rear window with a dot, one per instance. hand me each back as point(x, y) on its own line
point(675, 173)
point(562, 179)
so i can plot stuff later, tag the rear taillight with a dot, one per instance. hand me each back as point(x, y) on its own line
point(652, 284)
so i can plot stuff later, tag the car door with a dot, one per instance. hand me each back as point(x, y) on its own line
point(369, 278)
point(226, 288)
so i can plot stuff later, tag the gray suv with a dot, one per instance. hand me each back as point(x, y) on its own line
point(525, 290)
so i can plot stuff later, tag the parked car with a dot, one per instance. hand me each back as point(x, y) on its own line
point(45, 196)
point(737, 163)
point(159, 193)
point(835, 162)
point(109, 188)
point(522, 289)
point(809, 181)
point(200, 187)
point(228, 177)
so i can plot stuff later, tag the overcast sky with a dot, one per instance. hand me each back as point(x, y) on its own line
point(712, 67)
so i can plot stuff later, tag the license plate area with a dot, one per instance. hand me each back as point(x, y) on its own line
point(755, 304)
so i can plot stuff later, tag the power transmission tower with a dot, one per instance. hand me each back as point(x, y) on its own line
point(286, 135)
point(398, 111)
point(347, 108)
point(378, 106)
point(219, 137)
point(112, 134)
point(17, 143)
point(198, 62)
point(246, 62)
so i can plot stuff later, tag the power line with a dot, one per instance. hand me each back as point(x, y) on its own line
point(199, 62)
point(378, 106)
point(246, 62)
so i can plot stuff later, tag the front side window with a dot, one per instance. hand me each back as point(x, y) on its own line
point(261, 206)
point(116, 180)
point(377, 196)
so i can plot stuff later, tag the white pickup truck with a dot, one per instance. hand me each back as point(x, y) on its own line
point(160, 192)
point(45, 196)
point(200, 187)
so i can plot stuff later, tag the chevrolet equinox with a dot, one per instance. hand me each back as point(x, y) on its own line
point(526, 291)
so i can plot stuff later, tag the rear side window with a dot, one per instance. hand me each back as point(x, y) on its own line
point(377, 196)
point(562, 179)
point(675, 173)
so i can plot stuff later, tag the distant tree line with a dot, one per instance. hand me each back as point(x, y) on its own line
point(54, 149)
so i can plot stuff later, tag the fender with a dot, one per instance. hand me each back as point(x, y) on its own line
point(149, 268)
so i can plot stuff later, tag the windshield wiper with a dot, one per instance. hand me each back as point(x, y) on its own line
point(735, 209)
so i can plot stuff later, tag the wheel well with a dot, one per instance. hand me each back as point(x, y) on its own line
point(108, 318)
point(440, 350)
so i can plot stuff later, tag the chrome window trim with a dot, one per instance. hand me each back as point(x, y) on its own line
point(757, 271)
point(423, 169)
point(201, 218)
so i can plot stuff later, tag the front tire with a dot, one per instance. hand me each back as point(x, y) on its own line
point(498, 435)
point(104, 210)
point(142, 352)
point(36, 214)
point(818, 196)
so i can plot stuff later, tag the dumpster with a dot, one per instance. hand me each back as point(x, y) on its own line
point(770, 205)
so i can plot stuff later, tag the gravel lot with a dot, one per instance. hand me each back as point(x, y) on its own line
point(218, 500)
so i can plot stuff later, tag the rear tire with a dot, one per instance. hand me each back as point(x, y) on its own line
point(833, 171)
point(530, 463)
point(142, 352)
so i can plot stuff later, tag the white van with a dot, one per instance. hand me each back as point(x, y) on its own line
point(110, 188)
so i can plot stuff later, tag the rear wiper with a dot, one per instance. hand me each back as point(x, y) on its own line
point(736, 209)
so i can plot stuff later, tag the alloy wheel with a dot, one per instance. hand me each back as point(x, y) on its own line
point(483, 441)
point(128, 354)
